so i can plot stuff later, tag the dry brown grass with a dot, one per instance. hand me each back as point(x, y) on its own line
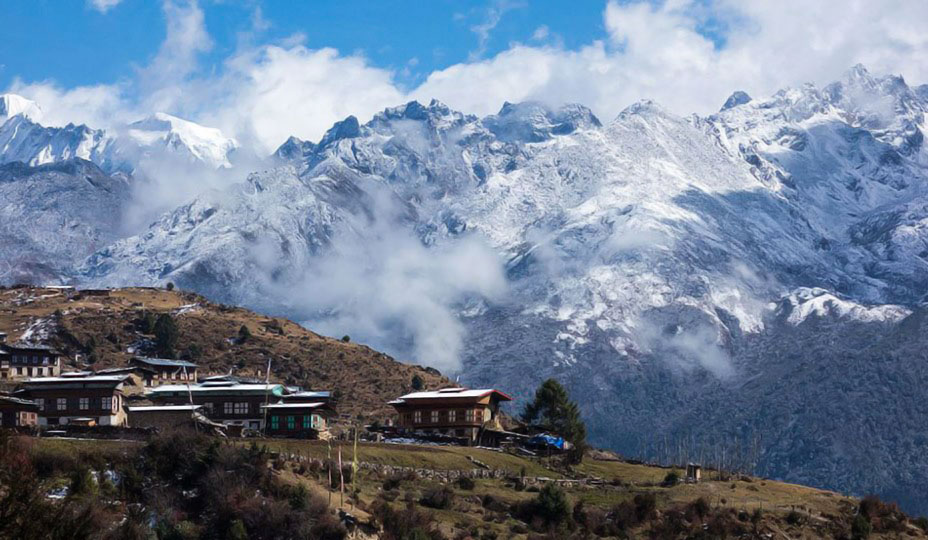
point(365, 379)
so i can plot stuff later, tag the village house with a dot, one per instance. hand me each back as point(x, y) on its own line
point(472, 415)
point(227, 401)
point(21, 361)
point(159, 371)
point(78, 398)
point(169, 417)
point(17, 412)
point(299, 420)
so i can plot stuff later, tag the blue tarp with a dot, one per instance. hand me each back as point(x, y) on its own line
point(547, 440)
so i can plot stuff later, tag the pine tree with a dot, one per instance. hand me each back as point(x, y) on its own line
point(165, 335)
point(553, 410)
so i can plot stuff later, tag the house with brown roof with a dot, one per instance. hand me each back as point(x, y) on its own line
point(78, 398)
point(20, 361)
point(159, 371)
point(470, 415)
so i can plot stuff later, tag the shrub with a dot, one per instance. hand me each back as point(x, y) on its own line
point(860, 527)
point(346, 338)
point(417, 382)
point(169, 286)
point(671, 479)
point(244, 334)
point(466, 482)
point(794, 517)
point(407, 524)
point(549, 507)
point(439, 498)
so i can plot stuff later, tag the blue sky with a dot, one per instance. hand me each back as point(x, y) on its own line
point(74, 44)
point(263, 70)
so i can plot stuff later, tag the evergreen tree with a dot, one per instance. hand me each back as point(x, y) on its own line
point(165, 335)
point(553, 410)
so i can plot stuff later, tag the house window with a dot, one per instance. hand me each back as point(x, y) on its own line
point(434, 417)
point(317, 421)
point(209, 407)
point(480, 415)
point(291, 422)
point(241, 408)
point(275, 422)
point(417, 417)
point(41, 403)
point(83, 403)
point(307, 421)
point(106, 403)
point(452, 416)
point(227, 407)
point(62, 404)
point(469, 415)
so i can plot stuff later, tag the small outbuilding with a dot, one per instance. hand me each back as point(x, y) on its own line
point(16, 412)
point(693, 473)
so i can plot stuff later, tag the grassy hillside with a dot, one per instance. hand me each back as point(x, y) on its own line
point(104, 329)
point(632, 500)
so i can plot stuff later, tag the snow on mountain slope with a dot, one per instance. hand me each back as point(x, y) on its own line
point(23, 139)
point(196, 142)
point(12, 105)
point(657, 265)
point(53, 215)
point(26, 141)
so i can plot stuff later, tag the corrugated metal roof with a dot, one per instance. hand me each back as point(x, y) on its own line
point(164, 362)
point(164, 408)
point(292, 405)
point(452, 393)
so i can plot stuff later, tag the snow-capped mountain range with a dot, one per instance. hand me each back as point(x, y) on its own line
point(772, 256)
point(24, 139)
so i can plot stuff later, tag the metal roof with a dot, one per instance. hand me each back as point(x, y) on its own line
point(154, 408)
point(275, 389)
point(451, 393)
point(308, 393)
point(82, 378)
point(293, 405)
point(164, 362)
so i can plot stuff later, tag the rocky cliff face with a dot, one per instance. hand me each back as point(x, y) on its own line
point(727, 279)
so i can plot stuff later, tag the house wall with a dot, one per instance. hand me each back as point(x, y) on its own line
point(227, 409)
point(24, 364)
point(295, 424)
point(79, 403)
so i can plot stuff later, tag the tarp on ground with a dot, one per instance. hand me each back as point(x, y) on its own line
point(545, 439)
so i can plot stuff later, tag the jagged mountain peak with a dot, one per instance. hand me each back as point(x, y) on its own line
point(200, 143)
point(14, 104)
point(534, 121)
point(738, 97)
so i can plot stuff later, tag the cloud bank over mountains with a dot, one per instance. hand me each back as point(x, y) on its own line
point(685, 54)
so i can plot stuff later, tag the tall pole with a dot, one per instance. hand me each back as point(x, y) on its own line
point(193, 414)
point(328, 466)
point(341, 478)
point(267, 393)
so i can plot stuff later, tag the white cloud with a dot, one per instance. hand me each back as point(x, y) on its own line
point(103, 5)
point(541, 33)
point(493, 15)
point(657, 51)
point(265, 93)
point(96, 106)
